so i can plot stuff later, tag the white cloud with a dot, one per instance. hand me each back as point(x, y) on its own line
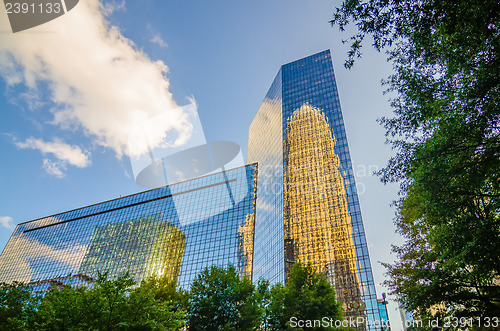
point(98, 80)
point(67, 153)
point(54, 168)
point(109, 7)
point(7, 222)
point(158, 40)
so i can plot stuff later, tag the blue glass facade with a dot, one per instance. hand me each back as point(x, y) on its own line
point(310, 83)
point(265, 147)
point(384, 316)
point(143, 234)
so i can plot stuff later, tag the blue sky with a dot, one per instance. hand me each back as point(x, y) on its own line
point(63, 111)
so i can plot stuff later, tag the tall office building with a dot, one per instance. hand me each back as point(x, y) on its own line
point(176, 230)
point(385, 325)
point(307, 203)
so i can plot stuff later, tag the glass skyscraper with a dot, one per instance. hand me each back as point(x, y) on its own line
point(384, 316)
point(307, 203)
point(176, 230)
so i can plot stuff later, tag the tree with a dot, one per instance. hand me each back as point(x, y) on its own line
point(101, 306)
point(156, 305)
point(306, 295)
point(446, 132)
point(17, 306)
point(68, 308)
point(110, 304)
point(264, 298)
point(220, 300)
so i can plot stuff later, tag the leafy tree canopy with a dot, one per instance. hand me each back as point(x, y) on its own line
point(306, 295)
point(220, 300)
point(17, 306)
point(446, 132)
point(107, 304)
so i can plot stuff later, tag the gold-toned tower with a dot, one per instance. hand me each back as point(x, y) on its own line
point(245, 246)
point(317, 225)
point(168, 250)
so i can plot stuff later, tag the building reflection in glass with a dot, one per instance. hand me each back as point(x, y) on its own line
point(142, 247)
point(141, 234)
point(318, 226)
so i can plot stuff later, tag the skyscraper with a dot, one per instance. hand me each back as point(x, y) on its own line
point(307, 204)
point(176, 230)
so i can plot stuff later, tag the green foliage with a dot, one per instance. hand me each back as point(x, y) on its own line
point(220, 300)
point(263, 296)
point(112, 295)
point(101, 307)
point(446, 130)
point(156, 305)
point(108, 304)
point(306, 295)
point(17, 306)
point(68, 309)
